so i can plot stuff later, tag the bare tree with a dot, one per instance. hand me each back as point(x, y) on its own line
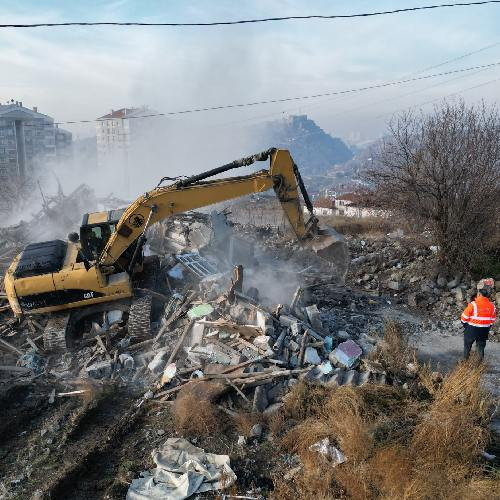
point(15, 193)
point(442, 170)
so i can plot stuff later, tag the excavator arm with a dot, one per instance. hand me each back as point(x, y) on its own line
point(196, 192)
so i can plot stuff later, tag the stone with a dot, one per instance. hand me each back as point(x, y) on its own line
point(342, 334)
point(276, 392)
point(326, 367)
point(160, 432)
point(413, 299)
point(414, 279)
point(311, 356)
point(242, 441)
point(260, 401)
point(100, 370)
point(459, 294)
point(272, 409)
point(364, 378)
point(256, 431)
point(337, 378)
point(314, 317)
point(395, 285)
point(441, 282)
point(351, 378)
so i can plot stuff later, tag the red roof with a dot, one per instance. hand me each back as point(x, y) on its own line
point(324, 202)
point(119, 113)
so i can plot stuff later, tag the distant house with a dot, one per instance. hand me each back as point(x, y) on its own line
point(346, 205)
point(354, 205)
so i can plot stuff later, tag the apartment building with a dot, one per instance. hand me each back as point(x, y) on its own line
point(29, 140)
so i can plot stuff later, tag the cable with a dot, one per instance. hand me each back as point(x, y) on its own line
point(459, 58)
point(288, 99)
point(250, 21)
point(409, 75)
point(489, 82)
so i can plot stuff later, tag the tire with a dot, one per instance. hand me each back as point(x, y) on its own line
point(139, 317)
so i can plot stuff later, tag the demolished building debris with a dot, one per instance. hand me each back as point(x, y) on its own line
point(241, 329)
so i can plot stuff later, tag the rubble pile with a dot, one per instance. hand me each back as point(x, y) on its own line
point(219, 322)
point(404, 271)
point(243, 316)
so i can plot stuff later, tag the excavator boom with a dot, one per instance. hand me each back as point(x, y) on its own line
point(196, 192)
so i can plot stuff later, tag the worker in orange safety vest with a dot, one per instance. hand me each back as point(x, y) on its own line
point(478, 317)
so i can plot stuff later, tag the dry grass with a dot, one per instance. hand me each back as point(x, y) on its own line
point(396, 445)
point(194, 416)
point(244, 421)
point(357, 226)
point(394, 352)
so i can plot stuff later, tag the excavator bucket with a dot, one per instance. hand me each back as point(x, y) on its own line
point(332, 247)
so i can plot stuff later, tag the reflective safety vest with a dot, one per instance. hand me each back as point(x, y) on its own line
point(480, 312)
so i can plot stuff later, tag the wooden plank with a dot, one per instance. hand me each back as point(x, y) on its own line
point(10, 347)
point(180, 341)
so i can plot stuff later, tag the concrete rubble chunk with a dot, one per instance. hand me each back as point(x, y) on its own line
point(346, 353)
point(311, 356)
point(260, 402)
point(256, 431)
point(395, 285)
point(314, 317)
point(127, 361)
point(100, 370)
point(351, 378)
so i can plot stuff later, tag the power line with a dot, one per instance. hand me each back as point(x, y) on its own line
point(489, 82)
point(458, 58)
point(308, 106)
point(251, 21)
point(288, 99)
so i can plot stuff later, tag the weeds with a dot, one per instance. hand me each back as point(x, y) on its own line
point(398, 444)
point(196, 417)
point(394, 352)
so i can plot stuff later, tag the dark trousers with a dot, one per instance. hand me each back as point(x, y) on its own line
point(479, 336)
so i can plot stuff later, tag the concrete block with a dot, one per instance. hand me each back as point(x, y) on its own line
point(100, 370)
point(311, 356)
point(347, 353)
point(314, 317)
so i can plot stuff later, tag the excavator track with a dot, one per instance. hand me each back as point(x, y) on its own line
point(139, 317)
point(54, 334)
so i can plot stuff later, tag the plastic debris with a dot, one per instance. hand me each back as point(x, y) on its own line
point(332, 454)
point(200, 310)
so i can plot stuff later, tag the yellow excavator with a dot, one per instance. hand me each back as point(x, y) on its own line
point(97, 270)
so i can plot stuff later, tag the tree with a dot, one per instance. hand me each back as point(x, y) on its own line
point(442, 170)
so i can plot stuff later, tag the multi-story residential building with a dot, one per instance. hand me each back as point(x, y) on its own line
point(118, 131)
point(28, 141)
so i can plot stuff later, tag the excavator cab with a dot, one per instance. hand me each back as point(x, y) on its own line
point(95, 231)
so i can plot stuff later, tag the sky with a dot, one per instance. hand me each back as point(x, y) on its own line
point(81, 73)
